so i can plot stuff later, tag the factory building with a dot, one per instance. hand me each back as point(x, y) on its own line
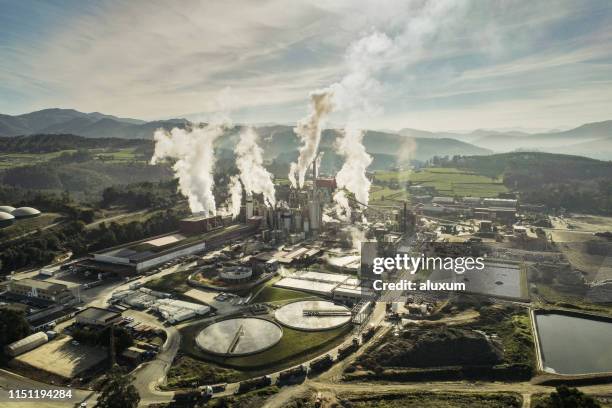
point(200, 224)
point(97, 316)
point(50, 291)
point(501, 202)
point(503, 215)
point(146, 254)
point(340, 287)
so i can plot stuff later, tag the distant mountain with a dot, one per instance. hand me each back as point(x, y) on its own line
point(70, 121)
point(590, 140)
point(281, 143)
point(596, 149)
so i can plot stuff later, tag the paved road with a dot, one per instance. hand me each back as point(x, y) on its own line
point(149, 375)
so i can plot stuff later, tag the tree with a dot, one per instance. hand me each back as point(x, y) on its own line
point(13, 327)
point(565, 397)
point(118, 391)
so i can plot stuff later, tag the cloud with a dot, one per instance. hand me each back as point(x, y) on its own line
point(154, 59)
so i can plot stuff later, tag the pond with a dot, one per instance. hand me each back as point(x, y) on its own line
point(575, 344)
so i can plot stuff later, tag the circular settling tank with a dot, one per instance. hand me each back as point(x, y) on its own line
point(239, 337)
point(313, 315)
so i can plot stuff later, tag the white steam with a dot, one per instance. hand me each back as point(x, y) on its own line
point(309, 132)
point(357, 93)
point(253, 175)
point(235, 198)
point(195, 162)
point(342, 208)
point(352, 175)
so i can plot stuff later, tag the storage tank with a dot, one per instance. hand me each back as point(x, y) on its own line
point(6, 208)
point(26, 344)
point(6, 219)
point(25, 212)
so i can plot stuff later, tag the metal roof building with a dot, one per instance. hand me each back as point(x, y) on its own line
point(97, 316)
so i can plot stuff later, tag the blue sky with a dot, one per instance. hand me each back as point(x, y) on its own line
point(506, 64)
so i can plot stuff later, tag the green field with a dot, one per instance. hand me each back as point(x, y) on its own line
point(26, 225)
point(173, 282)
point(187, 372)
point(446, 181)
point(272, 294)
point(9, 160)
point(438, 400)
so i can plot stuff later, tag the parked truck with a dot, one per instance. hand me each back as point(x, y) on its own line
point(345, 351)
point(255, 383)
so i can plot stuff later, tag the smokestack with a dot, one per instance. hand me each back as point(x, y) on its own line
point(249, 207)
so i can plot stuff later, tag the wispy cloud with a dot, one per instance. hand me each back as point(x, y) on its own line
point(503, 63)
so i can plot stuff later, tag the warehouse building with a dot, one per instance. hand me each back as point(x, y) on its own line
point(139, 256)
point(98, 316)
point(339, 287)
point(51, 291)
point(26, 344)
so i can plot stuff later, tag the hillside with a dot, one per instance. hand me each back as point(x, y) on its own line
point(590, 140)
point(597, 149)
point(548, 166)
point(70, 121)
point(572, 182)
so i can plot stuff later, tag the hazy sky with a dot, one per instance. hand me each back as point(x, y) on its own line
point(480, 64)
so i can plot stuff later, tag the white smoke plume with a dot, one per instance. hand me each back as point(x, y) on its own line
point(235, 198)
point(352, 175)
point(356, 94)
point(249, 160)
point(342, 207)
point(293, 168)
point(357, 237)
point(309, 132)
point(195, 160)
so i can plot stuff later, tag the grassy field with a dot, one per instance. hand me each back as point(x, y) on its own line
point(605, 402)
point(272, 294)
point(174, 282)
point(446, 181)
point(555, 297)
point(187, 372)
point(9, 160)
point(117, 156)
point(252, 399)
point(437, 400)
point(26, 225)
point(513, 327)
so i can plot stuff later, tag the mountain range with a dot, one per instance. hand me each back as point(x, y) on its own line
point(590, 140)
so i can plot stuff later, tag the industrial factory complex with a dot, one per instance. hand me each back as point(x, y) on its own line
point(268, 286)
